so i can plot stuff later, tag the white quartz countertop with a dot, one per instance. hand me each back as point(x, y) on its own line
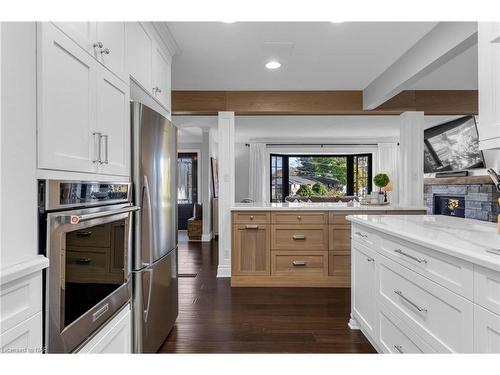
point(472, 240)
point(319, 207)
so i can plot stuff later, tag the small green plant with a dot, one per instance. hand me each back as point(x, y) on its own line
point(319, 188)
point(304, 191)
point(381, 180)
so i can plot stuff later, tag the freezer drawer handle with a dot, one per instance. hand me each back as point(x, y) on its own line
point(146, 310)
point(100, 312)
point(75, 219)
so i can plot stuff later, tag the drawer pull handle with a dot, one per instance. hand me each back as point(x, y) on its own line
point(493, 251)
point(361, 235)
point(251, 226)
point(299, 263)
point(370, 259)
point(399, 251)
point(298, 237)
point(83, 234)
point(83, 260)
point(400, 293)
point(251, 217)
point(299, 217)
point(399, 348)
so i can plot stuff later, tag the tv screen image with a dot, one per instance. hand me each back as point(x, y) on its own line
point(453, 146)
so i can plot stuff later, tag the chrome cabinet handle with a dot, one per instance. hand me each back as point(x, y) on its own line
point(370, 259)
point(106, 51)
point(299, 263)
point(400, 293)
point(251, 226)
point(98, 45)
point(298, 237)
point(97, 139)
point(106, 144)
point(100, 312)
point(399, 251)
point(156, 90)
point(399, 348)
point(361, 235)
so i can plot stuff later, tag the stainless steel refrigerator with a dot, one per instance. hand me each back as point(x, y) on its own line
point(154, 173)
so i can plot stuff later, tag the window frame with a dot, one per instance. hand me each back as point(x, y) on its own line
point(350, 171)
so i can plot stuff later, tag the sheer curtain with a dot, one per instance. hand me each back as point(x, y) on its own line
point(257, 174)
point(388, 162)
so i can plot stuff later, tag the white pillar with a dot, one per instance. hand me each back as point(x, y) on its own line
point(411, 174)
point(205, 185)
point(226, 189)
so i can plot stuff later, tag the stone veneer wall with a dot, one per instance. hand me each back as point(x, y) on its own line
point(481, 201)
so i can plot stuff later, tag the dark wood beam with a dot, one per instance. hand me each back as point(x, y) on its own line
point(432, 102)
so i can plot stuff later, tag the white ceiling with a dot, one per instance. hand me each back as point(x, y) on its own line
point(315, 55)
point(300, 128)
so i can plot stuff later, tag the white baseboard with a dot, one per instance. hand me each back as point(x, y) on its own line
point(353, 323)
point(206, 237)
point(223, 270)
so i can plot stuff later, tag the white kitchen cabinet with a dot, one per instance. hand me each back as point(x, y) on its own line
point(363, 287)
point(66, 102)
point(486, 331)
point(82, 33)
point(489, 85)
point(115, 337)
point(138, 48)
point(26, 337)
point(112, 52)
point(113, 122)
point(161, 77)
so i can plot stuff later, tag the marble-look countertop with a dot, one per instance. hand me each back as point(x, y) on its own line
point(319, 207)
point(472, 240)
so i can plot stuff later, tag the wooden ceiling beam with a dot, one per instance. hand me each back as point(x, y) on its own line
point(254, 103)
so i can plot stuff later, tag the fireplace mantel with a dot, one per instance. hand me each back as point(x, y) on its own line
point(468, 180)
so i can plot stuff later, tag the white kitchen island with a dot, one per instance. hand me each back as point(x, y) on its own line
point(424, 284)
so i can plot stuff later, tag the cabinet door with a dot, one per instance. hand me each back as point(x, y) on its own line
point(161, 77)
point(112, 53)
point(489, 82)
point(83, 33)
point(138, 47)
point(113, 121)
point(66, 102)
point(251, 250)
point(486, 331)
point(363, 287)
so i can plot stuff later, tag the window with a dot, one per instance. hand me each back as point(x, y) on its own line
point(187, 178)
point(333, 175)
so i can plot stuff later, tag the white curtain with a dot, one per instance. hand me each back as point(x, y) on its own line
point(257, 174)
point(388, 162)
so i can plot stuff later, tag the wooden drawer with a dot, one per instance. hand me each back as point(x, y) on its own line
point(298, 217)
point(450, 272)
point(340, 239)
point(90, 266)
point(441, 317)
point(487, 289)
point(257, 217)
point(395, 337)
point(98, 236)
point(306, 264)
point(338, 264)
point(365, 236)
point(304, 237)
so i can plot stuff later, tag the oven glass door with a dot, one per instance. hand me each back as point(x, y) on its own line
point(94, 267)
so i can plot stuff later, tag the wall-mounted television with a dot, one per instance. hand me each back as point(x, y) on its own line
point(453, 146)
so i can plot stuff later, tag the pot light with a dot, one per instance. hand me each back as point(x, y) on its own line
point(273, 64)
point(228, 21)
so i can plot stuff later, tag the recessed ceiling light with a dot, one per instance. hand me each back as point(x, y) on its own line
point(336, 21)
point(228, 21)
point(273, 64)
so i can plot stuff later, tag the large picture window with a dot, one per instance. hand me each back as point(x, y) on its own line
point(330, 175)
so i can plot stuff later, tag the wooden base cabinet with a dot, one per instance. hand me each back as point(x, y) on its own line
point(251, 251)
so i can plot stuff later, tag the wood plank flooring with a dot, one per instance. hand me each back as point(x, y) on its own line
point(215, 318)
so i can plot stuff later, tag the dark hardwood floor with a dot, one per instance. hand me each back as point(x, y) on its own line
point(215, 318)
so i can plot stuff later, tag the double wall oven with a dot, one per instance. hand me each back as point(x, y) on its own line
point(86, 232)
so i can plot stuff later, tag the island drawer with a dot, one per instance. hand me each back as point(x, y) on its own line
point(304, 237)
point(450, 272)
point(365, 236)
point(298, 217)
point(441, 317)
point(487, 288)
point(250, 217)
point(305, 264)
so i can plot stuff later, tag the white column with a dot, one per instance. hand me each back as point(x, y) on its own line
point(205, 185)
point(411, 176)
point(226, 189)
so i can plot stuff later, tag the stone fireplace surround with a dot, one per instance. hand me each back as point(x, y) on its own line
point(481, 196)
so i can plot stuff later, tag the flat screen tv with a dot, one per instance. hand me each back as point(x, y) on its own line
point(453, 146)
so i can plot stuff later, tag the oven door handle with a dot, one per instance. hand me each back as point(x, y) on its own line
point(75, 219)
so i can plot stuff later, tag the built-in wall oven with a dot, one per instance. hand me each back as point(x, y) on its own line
point(85, 231)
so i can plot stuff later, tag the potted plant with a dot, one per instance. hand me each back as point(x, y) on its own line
point(305, 191)
point(381, 180)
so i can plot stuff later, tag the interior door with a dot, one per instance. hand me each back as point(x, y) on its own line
point(113, 121)
point(67, 102)
point(187, 186)
point(112, 54)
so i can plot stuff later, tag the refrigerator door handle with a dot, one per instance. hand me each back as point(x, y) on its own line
point(150, 288)
point(150, 221)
